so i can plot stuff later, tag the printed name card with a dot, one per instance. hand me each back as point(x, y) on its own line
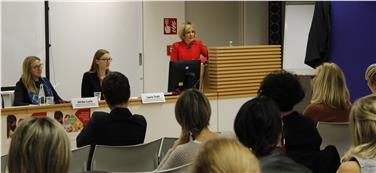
point(153, 98)
point(89, 102)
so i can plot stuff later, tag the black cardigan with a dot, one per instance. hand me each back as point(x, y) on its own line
point(90, 84)
point(21, 96)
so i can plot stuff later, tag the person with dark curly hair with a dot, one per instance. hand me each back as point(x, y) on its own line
point(301, 138)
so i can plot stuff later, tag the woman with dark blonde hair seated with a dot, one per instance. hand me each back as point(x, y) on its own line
point(330, 97)
point(225, 155)
point(192, 112)
point(361, 157)
point(28, 87)
point(39, 145)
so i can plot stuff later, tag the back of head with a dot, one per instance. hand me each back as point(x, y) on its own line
point(329, 87)
point(192, 111)
point(116, 89)
point(363, 128)
point(371, 77)
point(224, 155)
point(282, 87)
point(258, 125)
point(371, 73)
point(39, 145)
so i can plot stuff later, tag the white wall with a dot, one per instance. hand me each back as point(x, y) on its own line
point(155, 57)
point(78, 29)
point(22, 32)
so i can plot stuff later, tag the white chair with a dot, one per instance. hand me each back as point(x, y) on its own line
point(133, 158)
point(167, 143)
point(335, 133)
point(79, 159)
point(7, 98)
point(180, 169)
point(4, 163)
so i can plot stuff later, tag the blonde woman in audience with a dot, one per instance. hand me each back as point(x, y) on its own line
point(192, 112)
point(361, 157)
point(225, 156)
point(330, 97)
point(39, 145)
point(371, 77)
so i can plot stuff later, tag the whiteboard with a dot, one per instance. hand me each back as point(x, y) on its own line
point(298, 19)
point(22, 30)
point(78, 29)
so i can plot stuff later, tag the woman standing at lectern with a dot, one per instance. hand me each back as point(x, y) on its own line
point(189, 48)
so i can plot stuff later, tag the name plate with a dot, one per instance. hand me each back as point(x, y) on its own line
point(153, 98)
point(89, 102)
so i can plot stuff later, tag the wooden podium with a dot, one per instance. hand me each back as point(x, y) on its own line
point(237, 71)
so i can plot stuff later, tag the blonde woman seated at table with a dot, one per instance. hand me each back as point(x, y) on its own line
point(27, 88)
point(371, 77)
point(361, 157)
point(192, 112)
point(330, 97)
point(225, 155)
point(39, 145)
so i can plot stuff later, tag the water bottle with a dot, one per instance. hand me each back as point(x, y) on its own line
point(41, 95)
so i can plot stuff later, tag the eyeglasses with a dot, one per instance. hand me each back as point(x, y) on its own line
point(37, 66)
point(106, 59)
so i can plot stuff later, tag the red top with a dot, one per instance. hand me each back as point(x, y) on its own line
point(320, 112)
point(180, 51)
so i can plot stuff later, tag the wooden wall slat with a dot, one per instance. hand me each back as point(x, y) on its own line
point(238, 70)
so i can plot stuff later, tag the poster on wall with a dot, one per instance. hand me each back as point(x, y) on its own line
point(170, 26)
point(72, 120)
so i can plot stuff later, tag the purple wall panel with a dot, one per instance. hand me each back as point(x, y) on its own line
point(354, 42)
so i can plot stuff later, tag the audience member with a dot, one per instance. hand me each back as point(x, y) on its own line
point(192, 112)
point(120, 126)
point(371, 77)
point(27, 88)
point(301, 138)
point(361, 157)
point(258, 126)
point(92, 79)
point(39, 145)
point(225, 155)
point(330, 97)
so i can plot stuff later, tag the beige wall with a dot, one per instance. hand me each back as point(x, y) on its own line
point(255, 22)
point(217, 22)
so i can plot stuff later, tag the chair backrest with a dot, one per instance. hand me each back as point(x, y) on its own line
point(180, 169)
point(4, 163)
point(7, 98)
point(79, 159)
point(133, 158)
point(167, 143)
point(335, 133)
